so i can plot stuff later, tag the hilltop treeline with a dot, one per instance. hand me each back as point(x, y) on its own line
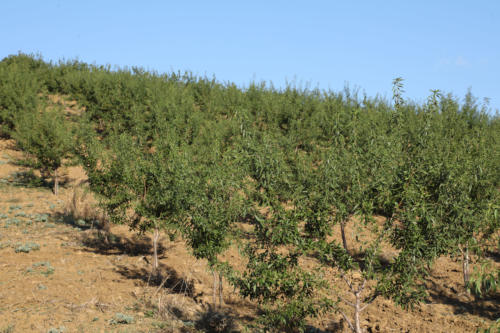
point(188, 155)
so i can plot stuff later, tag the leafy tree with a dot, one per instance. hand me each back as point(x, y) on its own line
point(47, 137)
point(19, 88)
point(145, 185)
point(218, 204)
point(264, 160)
point(445, 181)
point(351, 177)
point(274, 277)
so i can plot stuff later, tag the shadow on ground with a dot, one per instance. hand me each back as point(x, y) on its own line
point(28, 179)
point(104, 242)
point(167, 277)
point(98, 239)
point(486, 307)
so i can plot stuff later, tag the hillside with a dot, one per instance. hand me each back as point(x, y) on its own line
point(79, 282)
point(132, 201)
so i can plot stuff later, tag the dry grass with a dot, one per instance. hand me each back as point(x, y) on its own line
point(82, 206)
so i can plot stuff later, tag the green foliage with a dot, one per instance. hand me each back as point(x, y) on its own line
point(41, 217)
point(485, 281)
point(14, 207)
point(46, 136)
point(289, 317)
point(27, 178)
point(265, 162)
point(178, 152)
point(149, 178)
point(19, 88)
point(445, 184)
point(215, 208)
point(397, 92)
point(278, 281)
point(215, 322)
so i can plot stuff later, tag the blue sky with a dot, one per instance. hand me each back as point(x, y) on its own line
point(447, 45)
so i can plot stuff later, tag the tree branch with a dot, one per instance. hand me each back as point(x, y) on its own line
point(347, 320)
point(347, 282)
point(347, 301)
point(362, 287)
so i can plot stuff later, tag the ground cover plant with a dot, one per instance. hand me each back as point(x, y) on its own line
point(334, 201)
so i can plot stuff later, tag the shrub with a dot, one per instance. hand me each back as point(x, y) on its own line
point(121, 318)
point(26, 248)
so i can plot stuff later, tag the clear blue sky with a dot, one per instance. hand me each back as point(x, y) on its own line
point(447, 45)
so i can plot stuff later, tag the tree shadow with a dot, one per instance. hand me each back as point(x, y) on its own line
point(81, 223)
point(216, 320)
point(98, 239)
point(493, 255)
point(486, 307)
point(333, 328)
point(166, 277)
point(27, 178)
point(382, 261)
point(104, 242)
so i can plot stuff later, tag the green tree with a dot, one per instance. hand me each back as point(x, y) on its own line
point(145, 185)
point(19, 88)
point(219, 202)
point(46, 136)
point(289, 293)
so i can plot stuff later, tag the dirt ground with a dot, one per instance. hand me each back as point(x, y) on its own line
point(58, 273)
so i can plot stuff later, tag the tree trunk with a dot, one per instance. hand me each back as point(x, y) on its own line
point(215, 288)
point(221, 297)
point(465, 265)
point(56, 183)
point(357, 310)
point(156, 236)
point(357, 306)
point(344, 240)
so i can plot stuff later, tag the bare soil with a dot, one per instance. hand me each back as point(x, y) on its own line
point(85, 279)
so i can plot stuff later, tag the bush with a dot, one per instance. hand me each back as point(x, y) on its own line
point(26, 248)
point(121, 318)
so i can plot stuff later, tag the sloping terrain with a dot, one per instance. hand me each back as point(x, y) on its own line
point(60, 273)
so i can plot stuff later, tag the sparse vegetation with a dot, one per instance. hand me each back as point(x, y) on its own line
point(26, 248)
point(60, 329)
point(121, 318)
point(8, 329)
